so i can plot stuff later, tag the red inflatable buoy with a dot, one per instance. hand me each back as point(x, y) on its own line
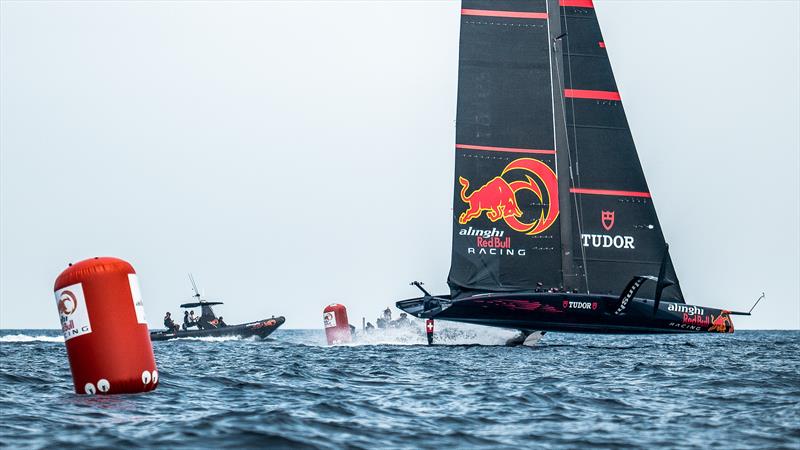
point(337, 328)
point(105, 331)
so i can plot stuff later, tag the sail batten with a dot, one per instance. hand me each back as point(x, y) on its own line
point(505, 149)
point(609, 192)
point(498, 13)
point(577, 3)
point(590, 94)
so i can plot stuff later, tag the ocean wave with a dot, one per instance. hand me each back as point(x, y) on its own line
point(396, 392)
point(28, 338)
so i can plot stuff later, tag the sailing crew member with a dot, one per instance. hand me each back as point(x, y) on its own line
point(221, 323)
point(186, 321)
point(169, 323)
point(403, 321)
point(386, 320)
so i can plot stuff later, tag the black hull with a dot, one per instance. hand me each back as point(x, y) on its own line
point(261, 329)
point(574, 313)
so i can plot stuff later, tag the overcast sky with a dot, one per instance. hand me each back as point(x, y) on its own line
point(295, 154)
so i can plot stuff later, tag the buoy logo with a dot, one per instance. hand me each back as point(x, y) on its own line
point(329, 318)
point(72, 312)
point(67, 303)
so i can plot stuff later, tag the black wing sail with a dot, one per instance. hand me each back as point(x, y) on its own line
point(616, 232)
point(505, 208)
point(549, 191)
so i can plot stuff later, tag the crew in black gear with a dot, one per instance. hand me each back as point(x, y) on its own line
point(170, 324)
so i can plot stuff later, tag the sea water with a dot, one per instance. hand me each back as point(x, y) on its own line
point(392, 391)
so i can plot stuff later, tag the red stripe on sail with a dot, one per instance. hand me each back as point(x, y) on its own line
point(609, 192)
point(514, 14)
point(505, 149)
point(596, 95)
point(577, 3)
point(601, 44)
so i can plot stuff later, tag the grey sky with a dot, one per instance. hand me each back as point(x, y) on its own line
point(294, 154)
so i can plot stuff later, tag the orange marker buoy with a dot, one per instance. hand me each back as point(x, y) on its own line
point(105, 331)
point(337, 328)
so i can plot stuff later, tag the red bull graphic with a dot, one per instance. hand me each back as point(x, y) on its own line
point(722, 323)
point(498, 197)
point(695, 319)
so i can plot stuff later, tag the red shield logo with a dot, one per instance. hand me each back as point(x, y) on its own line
point(566, 304)
point(607, 218)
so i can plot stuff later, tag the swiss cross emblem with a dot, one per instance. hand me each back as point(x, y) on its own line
point(607, 218)
point(429, 326)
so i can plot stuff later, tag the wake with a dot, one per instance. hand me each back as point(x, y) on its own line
point(447, 333)
point(217, 339)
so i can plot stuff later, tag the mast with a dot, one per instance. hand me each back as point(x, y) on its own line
point(570, 279)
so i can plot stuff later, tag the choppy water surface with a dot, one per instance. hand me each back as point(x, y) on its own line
point(736, 391)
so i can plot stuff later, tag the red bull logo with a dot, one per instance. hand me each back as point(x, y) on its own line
point(498, 197)
point(722, 323)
